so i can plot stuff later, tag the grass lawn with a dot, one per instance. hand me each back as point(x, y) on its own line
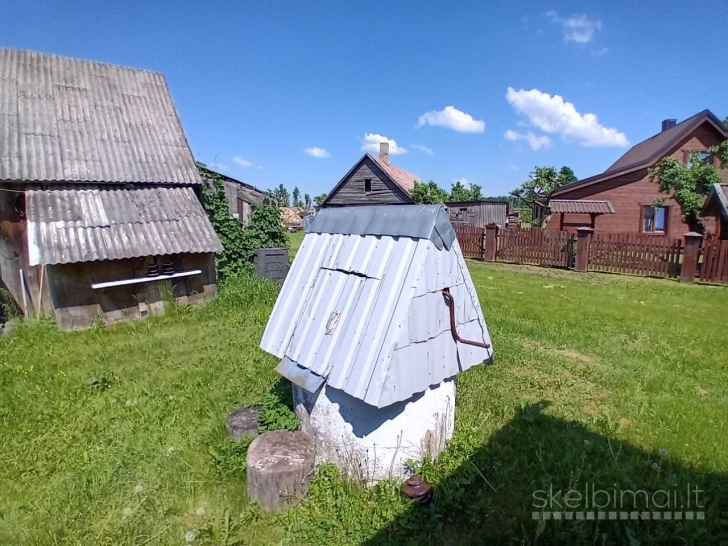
point(116, 436)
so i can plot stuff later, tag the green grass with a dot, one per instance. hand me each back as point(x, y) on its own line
point(294, 241)
point(598, 379)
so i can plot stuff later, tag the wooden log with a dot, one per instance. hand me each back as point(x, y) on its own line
point(242, 422)
point(279, 467)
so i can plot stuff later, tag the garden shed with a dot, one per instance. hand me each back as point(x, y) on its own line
point(100, 192)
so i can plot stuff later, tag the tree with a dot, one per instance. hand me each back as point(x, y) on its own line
point(459, 192)
point(541, 183)
point(297, 198)
point(281, 195)
point(475, 192)
point(690, 183)
point(428, 193)
point(307, 201)
point(319, 199)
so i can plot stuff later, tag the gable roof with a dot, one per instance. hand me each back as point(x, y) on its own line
point(717, 200)
point(403, 179)
point(649, 151)
point(71, 120)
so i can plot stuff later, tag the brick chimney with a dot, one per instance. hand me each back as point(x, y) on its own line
point(668, 124)
point(384, 152)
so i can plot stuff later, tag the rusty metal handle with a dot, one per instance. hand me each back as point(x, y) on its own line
point(451, 303)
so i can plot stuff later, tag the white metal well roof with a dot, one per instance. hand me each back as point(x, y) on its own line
point(366, 314)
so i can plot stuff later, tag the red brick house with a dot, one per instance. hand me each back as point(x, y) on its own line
point(622, 198)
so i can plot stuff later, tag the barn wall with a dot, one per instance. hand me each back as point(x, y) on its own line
point(629, 192)
point(76, 304)
point(384, 191)
point(13, 246)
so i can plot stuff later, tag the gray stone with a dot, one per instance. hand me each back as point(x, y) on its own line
point(242, 422)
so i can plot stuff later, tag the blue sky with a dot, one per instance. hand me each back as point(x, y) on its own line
point(474, 90)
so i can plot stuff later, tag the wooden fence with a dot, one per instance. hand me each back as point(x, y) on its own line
point(471, 239)
point(714, 266)
point(691, 257)
point(534, 246)
point(635, 254)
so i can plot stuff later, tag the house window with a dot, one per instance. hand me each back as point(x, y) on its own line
point(654, 219)
point(367, 185)
point(704, 157)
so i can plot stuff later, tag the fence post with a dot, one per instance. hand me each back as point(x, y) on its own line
point(583, 240)
point(491, 242)
point(690, 256)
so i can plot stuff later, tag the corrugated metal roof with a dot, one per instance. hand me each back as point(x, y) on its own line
point(65, 119)
point(580, 206)
point(419, 221)
point(367, 314)
point(82, 225)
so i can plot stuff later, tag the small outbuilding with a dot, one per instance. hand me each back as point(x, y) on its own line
point(377, 316)
point(373, 181)
point(99, 192)
point(479, 213)
point(716, 205)
point(241, 196)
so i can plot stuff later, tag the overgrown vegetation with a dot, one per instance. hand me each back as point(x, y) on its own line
point(689, 183)
point(117, 436)
point(264, 230)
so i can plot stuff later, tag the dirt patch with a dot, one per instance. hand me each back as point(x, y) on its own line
point(575, 355)
point(701, 391)
point(624, 422)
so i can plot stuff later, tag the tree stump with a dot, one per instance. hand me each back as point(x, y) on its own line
point(242, 422)
point(279, 467)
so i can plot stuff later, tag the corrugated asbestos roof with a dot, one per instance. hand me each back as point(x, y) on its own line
point(82, 225)
point(65, 119)
point(580, 206)
point(419, 221)
point(717, 200)
point(366, 314)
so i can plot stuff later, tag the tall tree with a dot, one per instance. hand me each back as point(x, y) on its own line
point(281, 195)
point(319, 199)
point(541, 183)
point(475, 192)
point(428, 193)
point(297, 197)
point(460, 192)
point(307, 201)
point(690, 183)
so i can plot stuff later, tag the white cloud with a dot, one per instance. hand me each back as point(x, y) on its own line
point(423, 149)
point(552, 114)
point(452, 118)
point(536, 142)
point(463, 181)
point(316, 152)
point(242, 162)
point(371, 141)
point(577, 28)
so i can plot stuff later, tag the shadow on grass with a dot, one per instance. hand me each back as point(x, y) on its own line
point(492, 495)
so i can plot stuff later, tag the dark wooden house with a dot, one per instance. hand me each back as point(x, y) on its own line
point(240, 196)
point(623, 198)
point(99, 192)
point(479, 213)
point(373, 181)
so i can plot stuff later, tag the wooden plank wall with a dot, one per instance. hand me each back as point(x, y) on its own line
point(635, 254)
point(534, 246)
point(472, 240)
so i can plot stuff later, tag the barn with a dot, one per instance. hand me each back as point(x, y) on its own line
point(100, 212)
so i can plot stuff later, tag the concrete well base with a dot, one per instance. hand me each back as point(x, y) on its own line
point(372, 444)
